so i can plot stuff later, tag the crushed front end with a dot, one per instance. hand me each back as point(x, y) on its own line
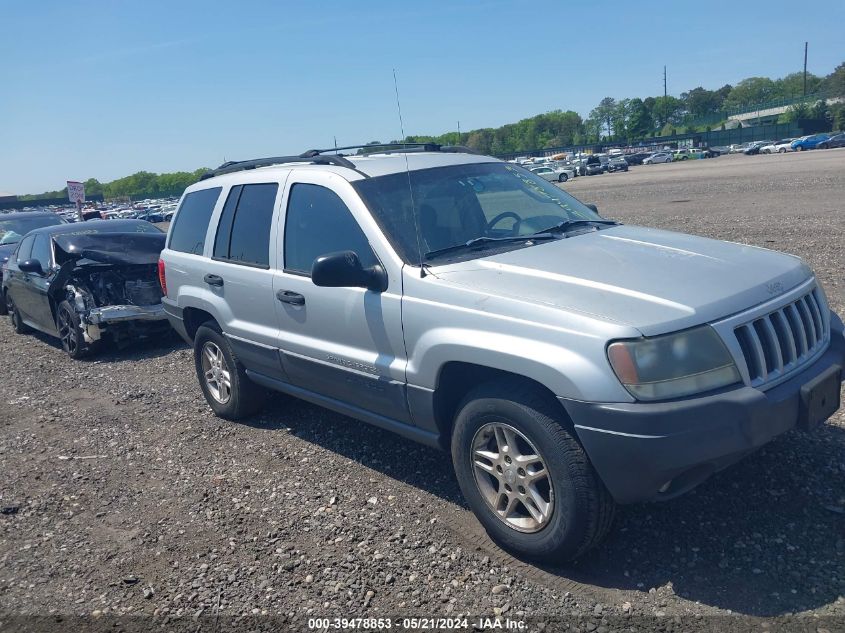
point(111, 280)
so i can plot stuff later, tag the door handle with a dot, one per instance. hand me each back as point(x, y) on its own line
point(213, 280)
point(287, 296)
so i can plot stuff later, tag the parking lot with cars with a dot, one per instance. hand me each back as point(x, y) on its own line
point(124, 494)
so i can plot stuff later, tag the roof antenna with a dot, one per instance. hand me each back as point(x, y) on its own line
point(408, 169)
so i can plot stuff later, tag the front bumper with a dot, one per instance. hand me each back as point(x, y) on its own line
point(638, 448)
point(98, 320)
point(116, 314)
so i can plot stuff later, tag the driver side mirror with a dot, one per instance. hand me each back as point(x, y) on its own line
point(343, 269)
point(31, 266)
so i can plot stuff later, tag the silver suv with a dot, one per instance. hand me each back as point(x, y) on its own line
point(567, 362)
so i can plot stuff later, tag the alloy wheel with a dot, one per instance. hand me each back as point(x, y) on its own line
point(67, 332)
point(512, 477)
point(216, 372)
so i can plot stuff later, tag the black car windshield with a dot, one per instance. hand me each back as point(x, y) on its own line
point(11, 231)
point(460, 203)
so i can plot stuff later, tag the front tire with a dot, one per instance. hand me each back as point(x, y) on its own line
point(525, 476)
point(563, 178)
point(223, 380)
point(799, 148)
point(70, 332)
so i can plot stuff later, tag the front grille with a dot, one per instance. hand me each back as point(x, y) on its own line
point(778, 343)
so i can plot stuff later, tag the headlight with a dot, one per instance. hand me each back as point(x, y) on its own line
point(673, 365)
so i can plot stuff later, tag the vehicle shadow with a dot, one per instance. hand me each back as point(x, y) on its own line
point(108, 352)
point(763, 538)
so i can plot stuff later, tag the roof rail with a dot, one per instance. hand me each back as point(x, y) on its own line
point(322, 157)
point(308, 157)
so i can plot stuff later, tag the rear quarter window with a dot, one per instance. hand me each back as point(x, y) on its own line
point(187, 235)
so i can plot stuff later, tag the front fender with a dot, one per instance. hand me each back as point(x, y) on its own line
point(565, 372)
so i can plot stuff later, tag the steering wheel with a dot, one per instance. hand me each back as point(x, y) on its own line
point(502, 216)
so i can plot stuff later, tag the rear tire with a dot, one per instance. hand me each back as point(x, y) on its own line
point(799, 149)
point(563, 178)
point(560, 486)
point(223, 380)
point(15, 317)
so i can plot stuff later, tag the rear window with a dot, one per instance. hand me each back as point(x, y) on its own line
point(243, 235)
point(187, 235)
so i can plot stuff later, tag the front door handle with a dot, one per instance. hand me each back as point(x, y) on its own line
point(287, 296)
point(213, 280)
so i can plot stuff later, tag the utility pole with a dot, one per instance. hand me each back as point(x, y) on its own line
point(805, 69)
point(459, 132)
point(664, 81)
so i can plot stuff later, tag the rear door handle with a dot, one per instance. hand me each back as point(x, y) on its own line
point(213, 280)
point(287, 296)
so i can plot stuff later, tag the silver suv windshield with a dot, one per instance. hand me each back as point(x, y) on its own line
point(499, 202)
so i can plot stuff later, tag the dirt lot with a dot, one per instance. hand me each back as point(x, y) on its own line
point(122, 494)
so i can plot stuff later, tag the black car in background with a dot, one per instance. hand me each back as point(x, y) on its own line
point(636, 159)
point(86, 284)
point(834, 141)
point(617, 163)
point(755, 147)
point(13, 226)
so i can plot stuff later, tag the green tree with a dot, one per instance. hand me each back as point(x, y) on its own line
point(93, 187)
point(604, 112)
point(667, 110)
point(750, 92)
point(792, 85)
point(834, 84)
point(795, 113)
point(640, 122)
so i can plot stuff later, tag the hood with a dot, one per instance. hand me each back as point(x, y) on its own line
point(6, 251)
point(655, 281)
point(109, 248)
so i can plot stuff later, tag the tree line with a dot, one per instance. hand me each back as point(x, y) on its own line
point(638, 119)
point(138, 186)
point(611, 120)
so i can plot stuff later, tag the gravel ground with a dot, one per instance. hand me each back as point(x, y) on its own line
point(122, 494)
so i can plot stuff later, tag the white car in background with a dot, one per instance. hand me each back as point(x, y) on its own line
point(779, 147)
point(554, 174)
point(658, 157)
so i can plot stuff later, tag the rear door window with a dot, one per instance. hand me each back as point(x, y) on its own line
point(243, 234)
point(187, 235)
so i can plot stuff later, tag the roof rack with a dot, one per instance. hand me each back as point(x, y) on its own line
point(308, 157)
point(398, 148)
point(322, 157)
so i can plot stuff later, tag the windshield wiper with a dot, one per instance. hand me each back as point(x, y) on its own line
point(480, 241)
point(571, 224)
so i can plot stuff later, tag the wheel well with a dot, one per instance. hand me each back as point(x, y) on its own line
point(193, 318)
point(457, 379)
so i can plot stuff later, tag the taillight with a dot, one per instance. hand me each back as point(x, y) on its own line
point(162, 278)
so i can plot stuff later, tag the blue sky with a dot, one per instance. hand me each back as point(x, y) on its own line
point(105, 88)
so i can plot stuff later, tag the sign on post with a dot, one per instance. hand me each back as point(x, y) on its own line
point(76, 194)
point(75, 191)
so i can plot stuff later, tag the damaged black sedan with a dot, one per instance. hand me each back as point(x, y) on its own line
point(87, 283)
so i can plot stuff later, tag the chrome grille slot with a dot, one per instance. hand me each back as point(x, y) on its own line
point(783, 340)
